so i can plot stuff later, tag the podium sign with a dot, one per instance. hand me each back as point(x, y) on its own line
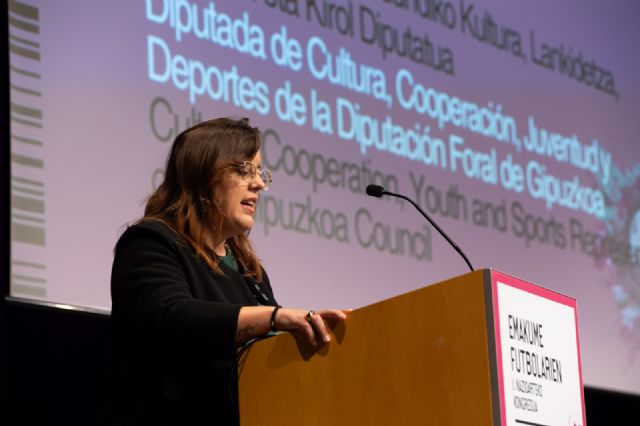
point(537, 354)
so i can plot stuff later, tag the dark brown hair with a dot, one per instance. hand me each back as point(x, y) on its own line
point(200, 158)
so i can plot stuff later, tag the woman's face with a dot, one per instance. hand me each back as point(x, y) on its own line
point(237, 197)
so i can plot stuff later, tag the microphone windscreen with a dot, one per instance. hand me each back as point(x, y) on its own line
point(375, 191)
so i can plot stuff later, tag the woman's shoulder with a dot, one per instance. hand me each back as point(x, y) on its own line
point(151, 229)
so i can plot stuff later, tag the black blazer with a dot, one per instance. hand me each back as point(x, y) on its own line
point(174, 328)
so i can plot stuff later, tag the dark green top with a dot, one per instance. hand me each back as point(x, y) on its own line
point(229, 259)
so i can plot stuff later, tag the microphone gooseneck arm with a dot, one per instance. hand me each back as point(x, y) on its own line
point(378, 191)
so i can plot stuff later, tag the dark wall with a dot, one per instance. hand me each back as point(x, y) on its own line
point(57, 366)
point(606, 407)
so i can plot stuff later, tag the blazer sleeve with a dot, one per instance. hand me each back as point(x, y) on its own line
point(153, 298)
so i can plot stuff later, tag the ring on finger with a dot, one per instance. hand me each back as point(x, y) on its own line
point(309, 316)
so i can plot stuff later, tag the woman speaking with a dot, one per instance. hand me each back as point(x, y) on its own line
point(188, 289)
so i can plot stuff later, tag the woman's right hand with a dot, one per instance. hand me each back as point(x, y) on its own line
point(310, 322)
point(254, 321)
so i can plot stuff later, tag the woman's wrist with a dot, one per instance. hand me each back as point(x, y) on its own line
point(254, 321)
point(272, 321)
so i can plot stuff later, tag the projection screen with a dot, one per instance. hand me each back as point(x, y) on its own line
point(513, 124)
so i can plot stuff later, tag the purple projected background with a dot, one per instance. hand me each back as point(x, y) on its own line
point(95, 111)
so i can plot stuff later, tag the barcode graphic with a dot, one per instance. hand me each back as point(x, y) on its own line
point(25, 280)
point(28, 236)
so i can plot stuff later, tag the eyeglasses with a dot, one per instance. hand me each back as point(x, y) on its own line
point(249, 171)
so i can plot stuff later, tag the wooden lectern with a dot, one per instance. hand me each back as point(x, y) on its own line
point(425, 357)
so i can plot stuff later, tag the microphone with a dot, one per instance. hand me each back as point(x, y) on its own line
point(378, 191)
point(375, 191)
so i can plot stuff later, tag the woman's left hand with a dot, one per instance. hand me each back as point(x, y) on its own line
point(310, 322)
